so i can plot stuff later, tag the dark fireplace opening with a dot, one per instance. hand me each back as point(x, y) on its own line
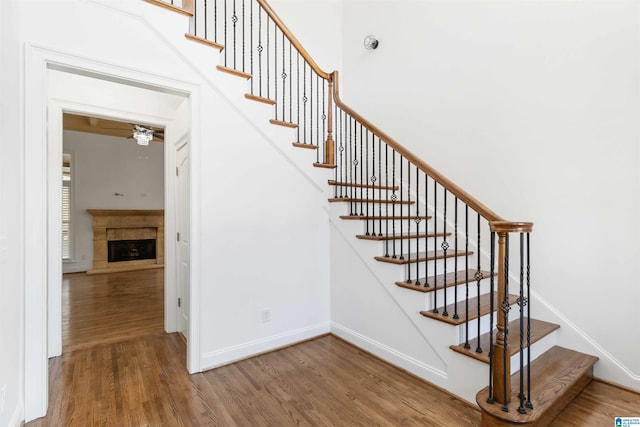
point(130, 250)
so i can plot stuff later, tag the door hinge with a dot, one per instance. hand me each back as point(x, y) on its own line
point(179, 302)
point(178, 236)
point(177, 171)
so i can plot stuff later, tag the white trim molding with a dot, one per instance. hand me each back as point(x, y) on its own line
point(390, 355)
point(249, 349)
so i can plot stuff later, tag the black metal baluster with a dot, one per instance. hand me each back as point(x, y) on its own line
point(284, 79)
point(466, 275)
point(417, 221)
point(251, 42)
point(347, 164)
point(521, 304)
point(505, 309)
point(304, 106)
point(386, 203)
point(356, 163)
point(244, 35)
point(426, 230)
point(393, 197)
point(529, 404)
point(366, 165)
point(408, 221)
point(478, 277)
point(225, 33)
point(298, 102)
point(491, 309)
point(311, 105)
point(455, 261)
point(260, 48)
point(341, 151)
point(318, 117)
point(234, 19)
point(358, 142)
point(275, 68)
point(373, 182)
point(435, 247)
point(290, 85)
point(195, 20)
point(268, 83)
point(362, 181)
point(400, 216)
point(445, 247)
point(380, 186)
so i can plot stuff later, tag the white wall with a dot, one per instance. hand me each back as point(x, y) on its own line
point(532, 107)
point(11, 223)
point(263, 235)
point(103, 166)
point(317, 24)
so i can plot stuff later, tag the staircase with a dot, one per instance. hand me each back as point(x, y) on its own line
point(448, 250)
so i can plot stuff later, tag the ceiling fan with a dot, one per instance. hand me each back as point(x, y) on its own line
point(141, 133)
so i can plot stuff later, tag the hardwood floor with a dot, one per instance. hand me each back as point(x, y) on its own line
point(108, 308)
point(598, 405)
point(140, 378)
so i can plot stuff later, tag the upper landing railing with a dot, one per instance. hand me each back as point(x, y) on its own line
point(381, 180)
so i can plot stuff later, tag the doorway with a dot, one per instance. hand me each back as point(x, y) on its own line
point(113, 238)
point(46, 100)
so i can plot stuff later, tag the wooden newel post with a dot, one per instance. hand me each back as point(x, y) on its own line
point(501, 352)
point(330, 145)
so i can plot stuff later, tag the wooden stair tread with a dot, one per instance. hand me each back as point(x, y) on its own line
point(257, 98)
point(354, 185)
point(303, 145)
point(384, 217)
point(324, 165)
point(419, 257)
point(485, 308)
point(283, 123)
point(170, 7)
point(398, 236)
point(439, 280)
point(539, 330)
point(204, 41)
point(560, 375)
point(233, 72)
point(357, 200)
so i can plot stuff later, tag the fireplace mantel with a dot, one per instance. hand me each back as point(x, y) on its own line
point(123, 224)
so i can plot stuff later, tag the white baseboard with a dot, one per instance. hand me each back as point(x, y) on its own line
point(390, 355)
point(234, 353)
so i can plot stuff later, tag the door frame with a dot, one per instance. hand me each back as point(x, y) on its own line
point(41, 262)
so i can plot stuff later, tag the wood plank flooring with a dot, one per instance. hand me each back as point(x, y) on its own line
point(111, 307)
point(141, 379)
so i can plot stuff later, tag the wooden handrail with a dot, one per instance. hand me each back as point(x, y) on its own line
point(511, 227)
point(296, 43)
point(462, 195)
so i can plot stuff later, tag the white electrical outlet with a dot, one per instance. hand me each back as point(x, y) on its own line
point(266, 315)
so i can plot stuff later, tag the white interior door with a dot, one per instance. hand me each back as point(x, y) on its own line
point(182, 228)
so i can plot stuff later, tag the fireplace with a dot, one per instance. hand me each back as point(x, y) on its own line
point(130, 250)
point(125, 240)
